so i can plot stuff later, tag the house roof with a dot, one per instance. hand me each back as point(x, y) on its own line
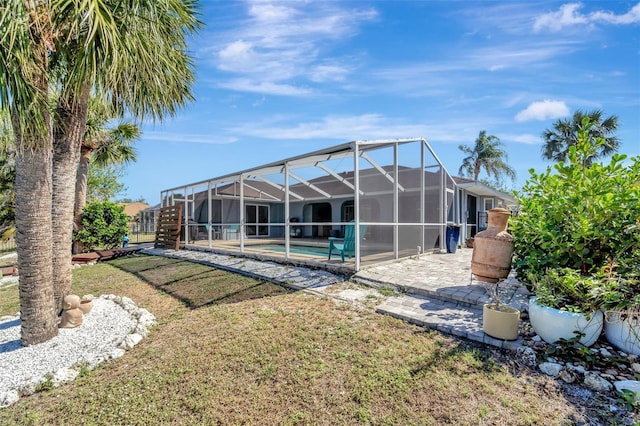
point(132, 209)
point(479, 188)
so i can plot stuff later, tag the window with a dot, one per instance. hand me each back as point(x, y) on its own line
point(488, 204)
point(257, 220)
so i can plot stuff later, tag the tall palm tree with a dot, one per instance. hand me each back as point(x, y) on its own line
point(564, 134)
point(134, 53)
point(486, 154)
point(102, 146)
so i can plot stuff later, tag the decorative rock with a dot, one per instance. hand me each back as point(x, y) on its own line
point(578, 368)
point(594, 382)
point(130, 341)
point(604, 352)
point(636, 367)
point(550, 368)
point(146, 318)
point(536, 338)
point(8, 398)
point(611, 372)
point(527, 356)
point(568, 375)
point(64, 375)
point(116, 353)
point(631, 385)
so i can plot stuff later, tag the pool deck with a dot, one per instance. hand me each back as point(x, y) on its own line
point(433, 290)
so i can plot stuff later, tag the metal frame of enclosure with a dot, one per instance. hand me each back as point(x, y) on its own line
point(397, 193)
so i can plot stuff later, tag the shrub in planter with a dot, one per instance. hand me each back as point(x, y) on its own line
point(575, 219)
point(566, 303)
point(577, 215)
point(620, 295)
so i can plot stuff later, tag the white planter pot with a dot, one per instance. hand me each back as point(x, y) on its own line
point(553, 324)
point(623, 332)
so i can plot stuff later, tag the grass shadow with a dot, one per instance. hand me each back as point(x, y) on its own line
point(194, 284)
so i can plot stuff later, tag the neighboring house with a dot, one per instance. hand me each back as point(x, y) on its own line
point(132, 210)
point(397, 190)
point(147, 219)
point(476, 199)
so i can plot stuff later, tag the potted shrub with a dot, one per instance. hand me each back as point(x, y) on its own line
point(621, 303)
point(566, 303)
point(499, 320)
point(572, 220)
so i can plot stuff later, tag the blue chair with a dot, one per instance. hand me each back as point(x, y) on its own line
point(348, 245)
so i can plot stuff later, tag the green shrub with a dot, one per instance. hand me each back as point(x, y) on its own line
point(104, 225)
point(579, 216)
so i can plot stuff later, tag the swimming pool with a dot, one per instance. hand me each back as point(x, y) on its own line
point(293, 248)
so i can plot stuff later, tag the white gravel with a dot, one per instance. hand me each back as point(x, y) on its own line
point(113, 325)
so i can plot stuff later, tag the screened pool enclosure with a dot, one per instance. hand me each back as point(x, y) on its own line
point(395, 195)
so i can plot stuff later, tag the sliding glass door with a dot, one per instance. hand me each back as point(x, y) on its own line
point(257, 220)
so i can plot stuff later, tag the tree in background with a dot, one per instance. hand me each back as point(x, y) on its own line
point(103, 147)
point(99, 183)
point(486, 154)
point(103, 183)
point(564, 135)
point(134, 54)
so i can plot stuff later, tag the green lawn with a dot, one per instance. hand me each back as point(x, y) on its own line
point(232, 350)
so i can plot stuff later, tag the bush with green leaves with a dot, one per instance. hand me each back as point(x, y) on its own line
point(104, 225)
point(580, 216)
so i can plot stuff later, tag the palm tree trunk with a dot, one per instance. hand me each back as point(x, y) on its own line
point(81, 192)
point(39, 321)
point(71, 119)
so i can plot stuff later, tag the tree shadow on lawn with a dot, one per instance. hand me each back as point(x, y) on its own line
point(196, 285)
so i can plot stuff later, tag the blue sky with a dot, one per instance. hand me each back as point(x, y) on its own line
point(281, 78)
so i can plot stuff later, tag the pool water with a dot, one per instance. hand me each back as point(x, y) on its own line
point(294, 249)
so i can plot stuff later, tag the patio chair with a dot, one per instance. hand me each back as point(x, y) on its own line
point(215, 231)
point(348, 245)
point(232, 232)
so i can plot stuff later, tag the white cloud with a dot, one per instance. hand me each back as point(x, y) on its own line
point(326, 72)
point(569, 15)
point(526, 138)
point(188, 138)
point(358, 127)
point(264, 87)
point(543, 110)
point(631, 17)
point(340, 127)
point(285, 45)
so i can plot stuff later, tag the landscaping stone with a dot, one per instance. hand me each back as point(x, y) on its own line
point(550, 368)
point(595, 382)
point(604, 352)
point(635, 367)
point(568, 375)
point(527, 356)
point(64, 375)
point(8, 398)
